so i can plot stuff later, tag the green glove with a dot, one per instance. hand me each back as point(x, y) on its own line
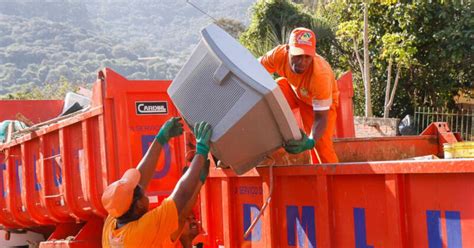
point(298, 146)
point(202, 132)
point(170, 129)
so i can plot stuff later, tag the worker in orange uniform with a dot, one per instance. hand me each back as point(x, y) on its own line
point(129, 223)
point(308, 83)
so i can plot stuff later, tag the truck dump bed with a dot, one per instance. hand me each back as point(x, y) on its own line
point(363, 204)
point(386, 192)
point(52, 177)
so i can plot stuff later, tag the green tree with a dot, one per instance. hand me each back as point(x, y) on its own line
point(349, 34)
point(437, 36)
point(442, 34)
point(272, 22)
point(399, 49)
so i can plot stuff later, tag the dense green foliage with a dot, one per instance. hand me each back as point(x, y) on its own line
point(44, 41)
point(431, 42)
point(272, 22)
point(434, 45)
point(56, 90)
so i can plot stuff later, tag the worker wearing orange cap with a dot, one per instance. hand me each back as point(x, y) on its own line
point(129, 223)
point(308, 83)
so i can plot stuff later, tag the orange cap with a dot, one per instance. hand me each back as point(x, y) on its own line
point(118, 196)
point(302, 41)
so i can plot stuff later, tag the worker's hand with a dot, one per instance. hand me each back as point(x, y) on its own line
point(172, 128)
point(202, 132)
point(298, 146)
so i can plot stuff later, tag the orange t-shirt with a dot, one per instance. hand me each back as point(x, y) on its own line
point(316, 87)
point(168, 243)
point(172, 244)
point(152, 230)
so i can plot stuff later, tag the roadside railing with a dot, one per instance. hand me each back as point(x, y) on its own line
point(461, 121)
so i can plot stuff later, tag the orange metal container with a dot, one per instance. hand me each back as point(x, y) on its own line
point(55, 175)
point(34, 110)
point(405, 203)
point(345, 111)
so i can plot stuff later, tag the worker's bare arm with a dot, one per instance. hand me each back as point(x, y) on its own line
point(319, 124)
point(188, 206)
point(148, 163)
point(196, 174)
point(170, 129)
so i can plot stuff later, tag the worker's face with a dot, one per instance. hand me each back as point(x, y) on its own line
point(193, 225)
point(300, 63)
point(142, 204)
point(190, 228)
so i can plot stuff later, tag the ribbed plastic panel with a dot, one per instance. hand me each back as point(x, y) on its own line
point(201, 99)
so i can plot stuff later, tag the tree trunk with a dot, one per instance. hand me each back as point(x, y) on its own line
point(368, 98)
point(359, 61)
point(314, 5)
point(387, 88)
point(394, 90)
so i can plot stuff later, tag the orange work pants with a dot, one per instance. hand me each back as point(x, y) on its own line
point(324, 145)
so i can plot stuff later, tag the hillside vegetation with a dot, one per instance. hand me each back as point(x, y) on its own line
point(43, 42)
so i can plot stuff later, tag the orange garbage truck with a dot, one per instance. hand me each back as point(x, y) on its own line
point(53, 175)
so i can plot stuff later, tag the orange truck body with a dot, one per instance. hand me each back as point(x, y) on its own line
point(52, 180)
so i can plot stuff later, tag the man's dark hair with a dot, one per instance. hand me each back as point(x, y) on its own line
point(130, 214)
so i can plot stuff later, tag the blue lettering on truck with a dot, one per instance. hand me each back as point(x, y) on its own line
point(250, 213)
point(304, 227)
point(146, 141)
point(453, 229)
point(360, 231)
point(58, 176)
point(37, 185)
point(3, 168)
point(18, 175)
